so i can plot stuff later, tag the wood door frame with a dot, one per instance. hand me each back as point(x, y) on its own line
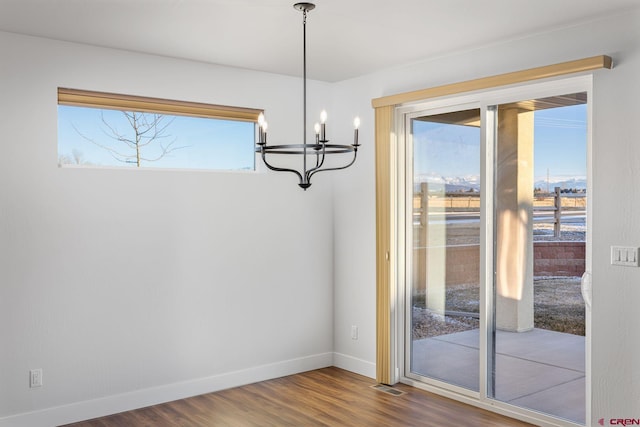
point(385, 108)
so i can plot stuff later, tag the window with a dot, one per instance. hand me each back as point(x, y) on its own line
point(105, 129)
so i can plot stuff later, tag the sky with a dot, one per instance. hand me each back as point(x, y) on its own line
point(198, 143)
point(560, 136)
point(560, 140)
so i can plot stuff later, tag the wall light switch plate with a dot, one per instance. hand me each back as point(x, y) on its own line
point(625, 255)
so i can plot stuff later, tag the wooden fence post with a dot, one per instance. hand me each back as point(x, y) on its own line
point(424, 212)
point(557, 213)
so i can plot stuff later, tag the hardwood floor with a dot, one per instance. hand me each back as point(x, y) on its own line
point(325, 397)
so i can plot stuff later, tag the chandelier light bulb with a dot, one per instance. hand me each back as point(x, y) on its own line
point(323, 117)
point(316, 128)
point(356, 122)
point(261, 119)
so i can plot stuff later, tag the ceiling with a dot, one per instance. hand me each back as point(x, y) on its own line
point(345, 38)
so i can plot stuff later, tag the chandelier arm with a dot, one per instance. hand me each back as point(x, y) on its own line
point(319, 162)
point(278, 169)
point(355, 154)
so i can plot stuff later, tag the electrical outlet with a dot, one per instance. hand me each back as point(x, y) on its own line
point(35, 378)
point(354, 332)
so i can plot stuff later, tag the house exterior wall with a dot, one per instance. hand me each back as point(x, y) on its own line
point(550, 259)
point(559, 258)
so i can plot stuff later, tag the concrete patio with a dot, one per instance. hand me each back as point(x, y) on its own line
point(539, 370)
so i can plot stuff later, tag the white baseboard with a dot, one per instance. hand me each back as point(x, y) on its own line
point(353, 364)
point(139, 399)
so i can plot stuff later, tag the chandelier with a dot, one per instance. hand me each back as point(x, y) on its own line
point(312, 154)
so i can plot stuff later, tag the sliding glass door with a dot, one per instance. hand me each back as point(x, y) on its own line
point(538, 349)
point(444, 221)
point(495, 234)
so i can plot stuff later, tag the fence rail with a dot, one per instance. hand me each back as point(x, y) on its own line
point(555, 203)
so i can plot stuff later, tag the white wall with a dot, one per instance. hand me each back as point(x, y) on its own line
point(133, 286)
point(616, 171)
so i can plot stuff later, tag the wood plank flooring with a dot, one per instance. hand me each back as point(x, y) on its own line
point(325, 397)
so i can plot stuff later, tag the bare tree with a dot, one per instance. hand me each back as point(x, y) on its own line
point(133, 144)
point(76, 158)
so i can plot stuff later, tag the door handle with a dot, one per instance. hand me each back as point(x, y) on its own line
point(585, 288)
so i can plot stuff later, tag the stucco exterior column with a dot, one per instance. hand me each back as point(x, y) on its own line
point(436, 259)
point(514, 220)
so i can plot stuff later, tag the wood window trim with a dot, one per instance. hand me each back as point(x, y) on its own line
point(547, 71)
point(113, 101)
point(384, 129)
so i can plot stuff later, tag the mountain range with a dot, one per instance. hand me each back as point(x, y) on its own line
point(471, 183)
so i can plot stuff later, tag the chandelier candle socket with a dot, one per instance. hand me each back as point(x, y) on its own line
point(312, 155)
point(323, 125)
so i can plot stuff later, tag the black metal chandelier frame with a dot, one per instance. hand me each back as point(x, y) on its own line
point(321, 147)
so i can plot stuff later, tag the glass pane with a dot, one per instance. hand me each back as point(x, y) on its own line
point(103, 137)
point(446, 248)
point(539, 349)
